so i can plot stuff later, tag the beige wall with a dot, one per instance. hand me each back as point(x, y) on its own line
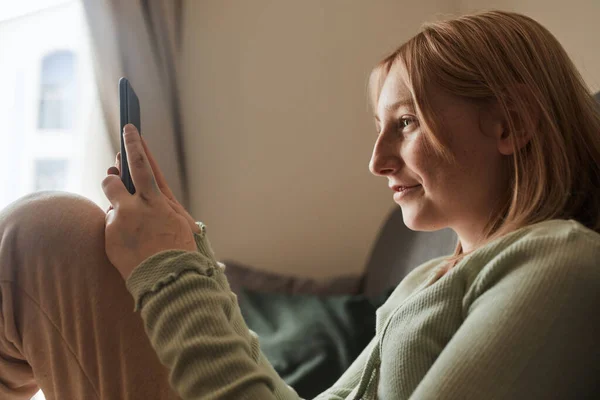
point(278, 126)
point(279, 130)
point(575, 23)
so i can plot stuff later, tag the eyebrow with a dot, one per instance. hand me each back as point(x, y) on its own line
point(400, 103)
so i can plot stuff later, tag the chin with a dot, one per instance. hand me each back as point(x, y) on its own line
point(421, 220)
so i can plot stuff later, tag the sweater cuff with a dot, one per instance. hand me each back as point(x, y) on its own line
point(165, 267)
point(202, 243)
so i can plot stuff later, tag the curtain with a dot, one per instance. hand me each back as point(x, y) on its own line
point(140, 39)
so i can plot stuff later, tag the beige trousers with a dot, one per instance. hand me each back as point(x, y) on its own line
point(67, 324)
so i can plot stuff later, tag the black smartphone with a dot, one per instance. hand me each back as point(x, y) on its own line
point(130, 114)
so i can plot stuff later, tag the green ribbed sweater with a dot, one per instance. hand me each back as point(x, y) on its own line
point(516, 319)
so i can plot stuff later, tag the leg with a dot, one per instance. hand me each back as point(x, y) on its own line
point(66, 318)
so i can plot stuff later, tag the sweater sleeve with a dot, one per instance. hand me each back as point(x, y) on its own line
point(530, 327)
point(196, 328)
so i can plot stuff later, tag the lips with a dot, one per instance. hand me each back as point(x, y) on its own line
point(402, 188)
point(402, 192)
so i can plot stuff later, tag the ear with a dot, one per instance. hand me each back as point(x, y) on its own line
point(510, 140)
point(516, 122)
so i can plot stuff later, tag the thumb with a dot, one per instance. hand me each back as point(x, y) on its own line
point(110, 215)
point(115, 190)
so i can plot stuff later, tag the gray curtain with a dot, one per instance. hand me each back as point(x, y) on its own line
point(140, 39)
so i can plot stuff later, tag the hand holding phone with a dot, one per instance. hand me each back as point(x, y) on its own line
point(130, 114)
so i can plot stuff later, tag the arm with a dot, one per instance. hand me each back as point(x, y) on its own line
point(195, 326)
point(531, 327)
point(349, 380)
point(190, 315)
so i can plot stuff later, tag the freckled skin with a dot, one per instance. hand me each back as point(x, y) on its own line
point(460, 195)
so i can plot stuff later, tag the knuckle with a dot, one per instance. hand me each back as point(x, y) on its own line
point(138, 160)
point(145, 197)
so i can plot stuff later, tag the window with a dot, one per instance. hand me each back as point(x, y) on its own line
point(57, 97)
point(52, 132)
point(51, 174)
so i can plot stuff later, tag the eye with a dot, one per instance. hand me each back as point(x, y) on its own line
point(405, 123)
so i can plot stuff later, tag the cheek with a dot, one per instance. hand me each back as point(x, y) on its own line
point(429, 167)
point(477, 159)
point(474, 156)
point(469, 181)
point(445, 182)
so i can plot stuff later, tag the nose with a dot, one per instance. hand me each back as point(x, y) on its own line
point(385, 159)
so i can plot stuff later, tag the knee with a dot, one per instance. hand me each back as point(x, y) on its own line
point(52, 216)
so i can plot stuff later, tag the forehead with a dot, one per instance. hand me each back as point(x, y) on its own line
point(395, 91)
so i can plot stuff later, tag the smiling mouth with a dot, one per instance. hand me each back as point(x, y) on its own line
point(402, 191)
point(405, 188)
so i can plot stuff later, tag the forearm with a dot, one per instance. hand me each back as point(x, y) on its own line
point(195, 326)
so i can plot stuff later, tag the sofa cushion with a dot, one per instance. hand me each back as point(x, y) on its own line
point(242, 276)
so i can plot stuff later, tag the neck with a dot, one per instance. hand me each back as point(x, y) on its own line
point(470, 236)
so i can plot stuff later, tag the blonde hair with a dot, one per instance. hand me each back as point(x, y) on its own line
point(511, 59)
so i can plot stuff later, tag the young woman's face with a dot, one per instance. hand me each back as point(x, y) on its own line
point(433, 192)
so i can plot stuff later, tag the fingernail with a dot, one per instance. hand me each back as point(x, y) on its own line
point(129, 129)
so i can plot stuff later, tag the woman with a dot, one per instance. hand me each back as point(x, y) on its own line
point(483, 126)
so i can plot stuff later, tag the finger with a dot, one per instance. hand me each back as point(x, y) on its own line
point(114, 190)
point(139, 166)
point(113, 171)
point(118, 161)
point(160, 178)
